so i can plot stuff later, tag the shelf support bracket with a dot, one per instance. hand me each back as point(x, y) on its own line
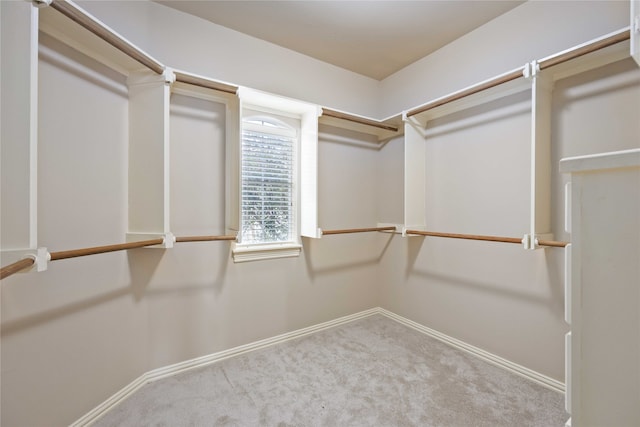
point(635, 30)
point(540, 189)
point(415, 192)
point(41, 3)
point(149, 156)
point(19, 130)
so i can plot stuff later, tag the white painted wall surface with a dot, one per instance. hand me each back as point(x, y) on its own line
point(497, 296)
point(534, 30)
point(77, 333)
point(79, 330)
point(183, 41)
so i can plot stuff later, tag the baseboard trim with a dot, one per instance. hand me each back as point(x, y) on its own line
point(478, 352)
point(167, 371)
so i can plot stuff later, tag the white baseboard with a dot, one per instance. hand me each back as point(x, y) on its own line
point(199, 362)
point(482, 354)
point(167, 371)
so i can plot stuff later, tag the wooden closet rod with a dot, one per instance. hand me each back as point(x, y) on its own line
point(204, 238)
point(195, 80)
point(15, 267)
point(28, 262)
point(516, 240)
point(87, 21)
point(357, 230)
point(103, 249)
point(620, 36)
point(357, 119)
point(552, 243)
point(513, 75)
point(79, 16)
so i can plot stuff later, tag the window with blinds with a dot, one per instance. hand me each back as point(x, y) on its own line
point(268, 171)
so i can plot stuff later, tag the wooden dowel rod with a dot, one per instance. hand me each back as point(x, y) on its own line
point(80, 17)
point(356, 119)
point(467, 236)
point(467, 92)
point(517, 240)
point(203, 238)
point(103, 249)
point(357, 230)
point(192, 79)
point(618, 37)
point(552, 243)
point(15, 267)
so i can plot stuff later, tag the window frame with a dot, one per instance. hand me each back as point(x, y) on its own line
point(291, 129)
point(304, 118)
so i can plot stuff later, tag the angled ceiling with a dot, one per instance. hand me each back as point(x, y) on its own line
point(372, 38)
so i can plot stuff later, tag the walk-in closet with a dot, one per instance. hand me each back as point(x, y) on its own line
point(203, 224)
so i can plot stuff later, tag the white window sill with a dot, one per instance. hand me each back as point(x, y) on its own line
point(244, 253)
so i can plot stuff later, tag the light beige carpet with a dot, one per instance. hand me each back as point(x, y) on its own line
point(370, 372)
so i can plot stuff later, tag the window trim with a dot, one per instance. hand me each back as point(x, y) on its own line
point(305, 181)
point(258, 252)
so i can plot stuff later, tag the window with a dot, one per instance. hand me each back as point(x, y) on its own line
point(273, 176)
point(268, 194)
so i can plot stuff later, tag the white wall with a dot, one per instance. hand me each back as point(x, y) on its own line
point(77, 333)
point(185, 42)
point(72, 333)
point(497, 296)
point(534, 30)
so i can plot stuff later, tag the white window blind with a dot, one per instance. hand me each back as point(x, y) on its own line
point(268, 175)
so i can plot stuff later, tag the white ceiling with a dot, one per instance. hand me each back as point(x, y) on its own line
point(372, 38)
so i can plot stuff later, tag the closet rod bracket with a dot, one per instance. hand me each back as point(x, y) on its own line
point(41, 258)
point(169, 75)
point(41, 3)
point(540, 241)
point(168, 239)
point(531, 70)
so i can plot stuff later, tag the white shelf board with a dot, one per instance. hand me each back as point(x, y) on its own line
point(350, 122)
point(74, 35)
point(610, 160)
point(485, 96)
point(590, 61)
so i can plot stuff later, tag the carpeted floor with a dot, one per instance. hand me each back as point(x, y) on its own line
point(370, 372)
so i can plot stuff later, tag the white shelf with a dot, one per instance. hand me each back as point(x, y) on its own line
point(78, 37)
point(601, 161)
point(382, 129)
